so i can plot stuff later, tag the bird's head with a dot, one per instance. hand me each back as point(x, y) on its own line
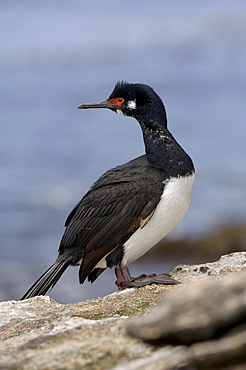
point(135, 100)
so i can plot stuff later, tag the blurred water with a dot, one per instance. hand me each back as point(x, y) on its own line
point(57, 55)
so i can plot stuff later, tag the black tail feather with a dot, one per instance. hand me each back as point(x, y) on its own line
point(47, 280)
point(95, 273)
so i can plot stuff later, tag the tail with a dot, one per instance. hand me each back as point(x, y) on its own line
point(47, 280)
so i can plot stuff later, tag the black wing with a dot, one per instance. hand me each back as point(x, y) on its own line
point(120, 202)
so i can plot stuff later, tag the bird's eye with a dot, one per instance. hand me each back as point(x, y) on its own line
point(120, 100)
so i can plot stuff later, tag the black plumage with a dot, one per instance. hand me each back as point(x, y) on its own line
point(123, 199)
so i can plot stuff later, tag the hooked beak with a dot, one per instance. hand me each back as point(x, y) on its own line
point(103, 104)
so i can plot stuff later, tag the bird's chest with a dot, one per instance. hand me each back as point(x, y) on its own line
point(171, 209)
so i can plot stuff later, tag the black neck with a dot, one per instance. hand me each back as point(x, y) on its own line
point(164, 152)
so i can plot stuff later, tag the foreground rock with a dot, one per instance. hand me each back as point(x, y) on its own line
point(202, 321)
point(213, 313)
point(204, 311)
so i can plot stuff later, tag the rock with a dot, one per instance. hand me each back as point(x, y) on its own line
point(200, 311)
point(227, 350)
point(168, 358)
point(39, 333)
point(225, 353)
point(206, 319)
point(227, 264)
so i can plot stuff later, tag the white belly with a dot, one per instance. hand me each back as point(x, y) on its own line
point(170, 211)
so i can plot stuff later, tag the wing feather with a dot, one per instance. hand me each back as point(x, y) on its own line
point(111, 212)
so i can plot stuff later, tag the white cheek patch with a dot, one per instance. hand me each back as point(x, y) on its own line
point(119, 111)
point(132, 104)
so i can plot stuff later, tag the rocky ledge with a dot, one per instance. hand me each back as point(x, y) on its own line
point(198, 324)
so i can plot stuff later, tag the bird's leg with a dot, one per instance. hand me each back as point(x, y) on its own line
point(123, 276)
point(125, 280)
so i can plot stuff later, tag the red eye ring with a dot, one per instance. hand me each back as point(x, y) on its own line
point(118, 101)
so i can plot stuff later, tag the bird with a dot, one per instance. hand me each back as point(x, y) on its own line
point(131, 207)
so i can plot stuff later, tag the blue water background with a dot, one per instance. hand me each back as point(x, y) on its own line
point(58, 54)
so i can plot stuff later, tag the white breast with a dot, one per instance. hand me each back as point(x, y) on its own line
point(170, 211)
